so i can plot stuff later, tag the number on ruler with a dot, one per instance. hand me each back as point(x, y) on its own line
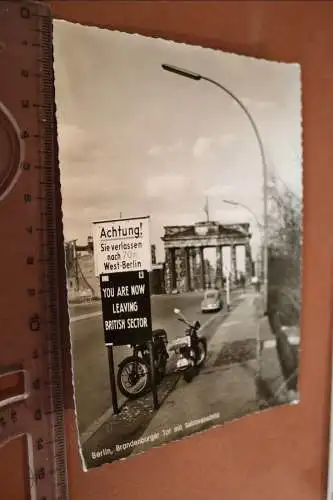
point(40, 444)
point(38, 414)
point(25, 165)
point(25, 13)
point(36, 384)
point(25, 134)
point(34, 323)
point(40, 474)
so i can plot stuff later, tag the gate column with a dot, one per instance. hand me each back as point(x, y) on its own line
point(233, 263)
point(188, 277)
point(202, 269)
point(219, 267)
point(248, 261)
point(170, 270)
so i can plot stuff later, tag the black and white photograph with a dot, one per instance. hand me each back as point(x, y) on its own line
point(181, 181)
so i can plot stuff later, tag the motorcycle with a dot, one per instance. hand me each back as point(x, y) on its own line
point(190, 350)
point(134, 372)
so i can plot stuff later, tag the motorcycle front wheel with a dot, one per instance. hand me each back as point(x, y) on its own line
point(192, 371)
point(133, 377)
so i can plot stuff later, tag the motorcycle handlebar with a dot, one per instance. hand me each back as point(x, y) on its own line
point(183, 319)
point(190, 325)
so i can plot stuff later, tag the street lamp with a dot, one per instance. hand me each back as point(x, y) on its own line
point(260, 227)
point(196, 77)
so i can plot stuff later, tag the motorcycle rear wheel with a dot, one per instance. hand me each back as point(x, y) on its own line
point(138, 373)
point(161, 371)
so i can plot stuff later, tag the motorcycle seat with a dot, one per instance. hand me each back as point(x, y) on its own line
point(179, 342)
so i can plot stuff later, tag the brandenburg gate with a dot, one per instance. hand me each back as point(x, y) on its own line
point(185, 267)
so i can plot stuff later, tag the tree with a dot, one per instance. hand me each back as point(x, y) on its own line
point(284, 271)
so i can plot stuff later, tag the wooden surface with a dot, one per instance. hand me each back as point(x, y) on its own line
point(280, 453)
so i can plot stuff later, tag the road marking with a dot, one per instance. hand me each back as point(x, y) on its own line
point(85, 316)
point(230, 323)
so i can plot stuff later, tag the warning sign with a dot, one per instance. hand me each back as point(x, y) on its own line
point(122, 245)
point(126, 307)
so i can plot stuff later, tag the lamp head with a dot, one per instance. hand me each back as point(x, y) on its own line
point(181, 72)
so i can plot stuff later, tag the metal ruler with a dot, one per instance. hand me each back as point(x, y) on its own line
point(31, 378)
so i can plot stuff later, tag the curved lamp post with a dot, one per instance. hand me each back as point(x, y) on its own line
point(238, 204)
point(196, 76)
point(259, 224)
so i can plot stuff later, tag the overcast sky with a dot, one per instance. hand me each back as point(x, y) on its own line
point(138, 140)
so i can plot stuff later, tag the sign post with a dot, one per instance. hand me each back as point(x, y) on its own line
point(122, 255)
point(227, 288)
point(228, 291)
point(113, 385)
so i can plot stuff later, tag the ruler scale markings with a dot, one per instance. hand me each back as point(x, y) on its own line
point(40, 415)
point(55, 367)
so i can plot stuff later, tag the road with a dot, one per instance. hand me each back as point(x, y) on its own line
point(90, 361)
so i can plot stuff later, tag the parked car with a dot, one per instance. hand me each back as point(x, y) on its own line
point(212, 301)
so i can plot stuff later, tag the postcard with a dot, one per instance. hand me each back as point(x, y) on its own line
point(181, 180)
